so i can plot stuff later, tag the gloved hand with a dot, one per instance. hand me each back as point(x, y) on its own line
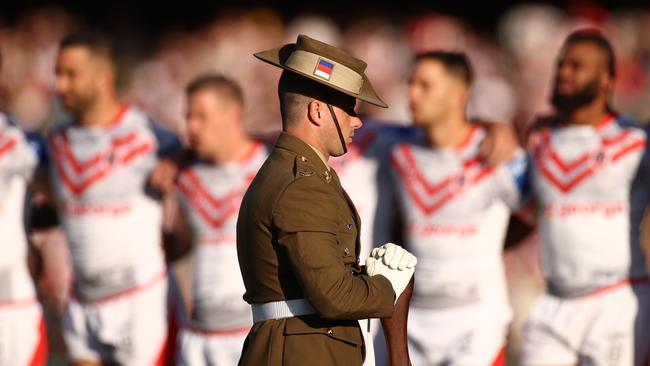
point(399, 279)
point(394, 256)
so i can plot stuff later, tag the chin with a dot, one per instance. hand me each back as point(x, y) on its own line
point(70, 108)
point(418, 121)
point(337, 154)
point(199, 153)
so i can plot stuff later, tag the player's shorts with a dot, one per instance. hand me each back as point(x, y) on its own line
point(201, 347)
point(603, 328)
point(471, 335)
point(129, 328)
point(23, 339)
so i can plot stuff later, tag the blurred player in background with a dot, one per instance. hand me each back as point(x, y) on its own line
point(23, 338)
point(211, 188)
point(590, 180)
point(454, 211)
point(107, 176)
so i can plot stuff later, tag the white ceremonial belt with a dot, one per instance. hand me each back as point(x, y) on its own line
point(281, 309)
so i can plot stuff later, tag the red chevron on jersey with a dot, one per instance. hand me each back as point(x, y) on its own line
point(436, 194)
point(77, 176)
point(6, 144)
point(214, 210)
point(566, 175)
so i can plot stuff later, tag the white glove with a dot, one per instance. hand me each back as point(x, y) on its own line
point(394, 256)
point(399, 279)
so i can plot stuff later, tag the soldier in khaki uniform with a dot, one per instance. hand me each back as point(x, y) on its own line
point(298, 231)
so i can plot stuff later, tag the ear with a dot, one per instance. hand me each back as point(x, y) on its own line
point(237, 114)
point(607, 81)
point(460, 93)
point(107, 75)
point(231, 115)
point(316, 112)
point(463, 97)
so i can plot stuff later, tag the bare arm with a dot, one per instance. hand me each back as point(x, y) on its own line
point(177, 234)
point(395, 329)
point(500, 143)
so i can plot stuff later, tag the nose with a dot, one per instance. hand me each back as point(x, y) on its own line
point(563, 71)
point(61, 84)
point(192, 125)
point(356, 123)
point(413, 97)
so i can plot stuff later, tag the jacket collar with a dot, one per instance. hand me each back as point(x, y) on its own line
point(294, 144)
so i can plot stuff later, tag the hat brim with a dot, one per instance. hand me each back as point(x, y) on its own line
point(278, 56)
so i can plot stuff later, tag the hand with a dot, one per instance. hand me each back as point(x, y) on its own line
point(398, 279)
point(163, 176)
point(394, 256)
point(500, 143)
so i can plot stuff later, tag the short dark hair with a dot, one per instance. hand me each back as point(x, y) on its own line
point(96, 42)
point(596, 37)
point(456, 63)
point(221, 84)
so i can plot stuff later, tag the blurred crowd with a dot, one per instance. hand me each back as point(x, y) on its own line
point(513, 63)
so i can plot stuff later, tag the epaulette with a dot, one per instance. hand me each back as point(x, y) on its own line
point(304, 169)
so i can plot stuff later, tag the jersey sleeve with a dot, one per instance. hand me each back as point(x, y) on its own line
point(640, 190)
point(24, 154)
point(168, 143)
point(513, 183)
point(38, 144)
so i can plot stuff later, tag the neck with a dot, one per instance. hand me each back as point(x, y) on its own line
point(100, 113)
point(233, 149)
point(449, 133)
point(587, 115)
point(307, 136)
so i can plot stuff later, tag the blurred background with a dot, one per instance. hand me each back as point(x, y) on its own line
point(161, 46)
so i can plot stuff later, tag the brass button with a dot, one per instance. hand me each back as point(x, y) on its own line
point(328, 176)
point(346, 251)
point(330, 331)
point(303, 159)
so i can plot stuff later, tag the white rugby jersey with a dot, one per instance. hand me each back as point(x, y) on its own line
point(113, 227)
point(456, 209)
point(17, 164)
point(211, 195)
point(582, 179)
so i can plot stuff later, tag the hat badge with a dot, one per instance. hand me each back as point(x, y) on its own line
point(324, 69)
